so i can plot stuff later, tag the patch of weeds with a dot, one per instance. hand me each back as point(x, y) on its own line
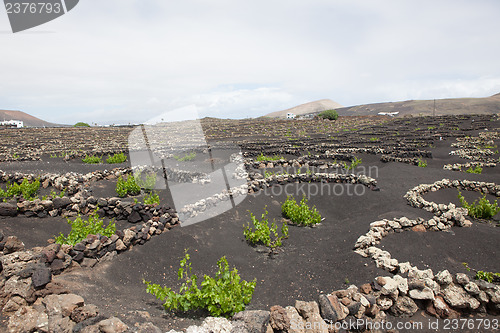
point(431, 127)
point(347, 282)
point(477, 169)
point(80, 229)
point(422, 163)
point(262, 158)
point(152, 199)
point(116, 158)
point(15, 156)
point(186, 158)
point(490, 277)
point(127, 187)
point(300, 213)
point(26, 189)
point(480, 209)
point(373, 139)
point(92, 159)
point(53, 155)
point(224, 295)
point(261, 233)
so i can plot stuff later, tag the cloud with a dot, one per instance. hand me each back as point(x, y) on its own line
point(130, 59)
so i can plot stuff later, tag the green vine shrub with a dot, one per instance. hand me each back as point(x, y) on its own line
point(422, 163)
point(152, 198)
point(26, 189)
point(481, 209)
point(223, 295)
point(261, 233)
point(490, 277)
point(127, 187)
point(477, 170)
point(186, 158)
point(300, 213)
point(81, 228)
point(116, 158)
point(92, 159)
point(263, 158)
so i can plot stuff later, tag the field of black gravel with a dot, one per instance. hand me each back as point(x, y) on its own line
point(312, 261)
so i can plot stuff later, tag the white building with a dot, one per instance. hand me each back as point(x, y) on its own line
point(290, 116)
point(13, 123)
point(390, 114)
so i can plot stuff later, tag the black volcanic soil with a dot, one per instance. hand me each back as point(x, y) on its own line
point(312, 260)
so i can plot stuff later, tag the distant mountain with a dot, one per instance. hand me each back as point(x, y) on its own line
point(311, 107)
point(485, 105)
point(29, 120)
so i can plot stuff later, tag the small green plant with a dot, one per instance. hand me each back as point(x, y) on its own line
point(152, 199)
point(26, 189)
point(300, 213)
point(346, 281)
point(482, 275)
point(431, 127)
point(261, 233)
point(329, 114)
point(187, 157)
point(223, 295)
point(80, 229)
point(422, 163)
point(482, 209)
point(373, 139)
point(92, 159)
point(353, 165)
point(15, 156)
point(262, 157)
point(116, 158)
point(477, 169)
point(81, 124)
point(147, 181)
point(127, 187)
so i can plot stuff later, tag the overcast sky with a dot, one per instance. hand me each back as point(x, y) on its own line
point(131, 60)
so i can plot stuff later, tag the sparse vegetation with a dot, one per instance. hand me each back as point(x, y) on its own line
point(186, 158)
point(116, 158)
point(353, 165)
point(373, 139)
point(223, 295)
point(329, 114)
point(81, 228)
point(127, 187)
point(477, 169)
point(490, 277)
point(147, 181)
point(300, 213)
point(262, 158)
point(422, 163)
point(152, 198)
point(92, 159)
point(261, 233)
point(480, 209)
point(26, 189)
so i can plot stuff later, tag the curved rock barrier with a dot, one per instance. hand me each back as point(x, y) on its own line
point(440, 294)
